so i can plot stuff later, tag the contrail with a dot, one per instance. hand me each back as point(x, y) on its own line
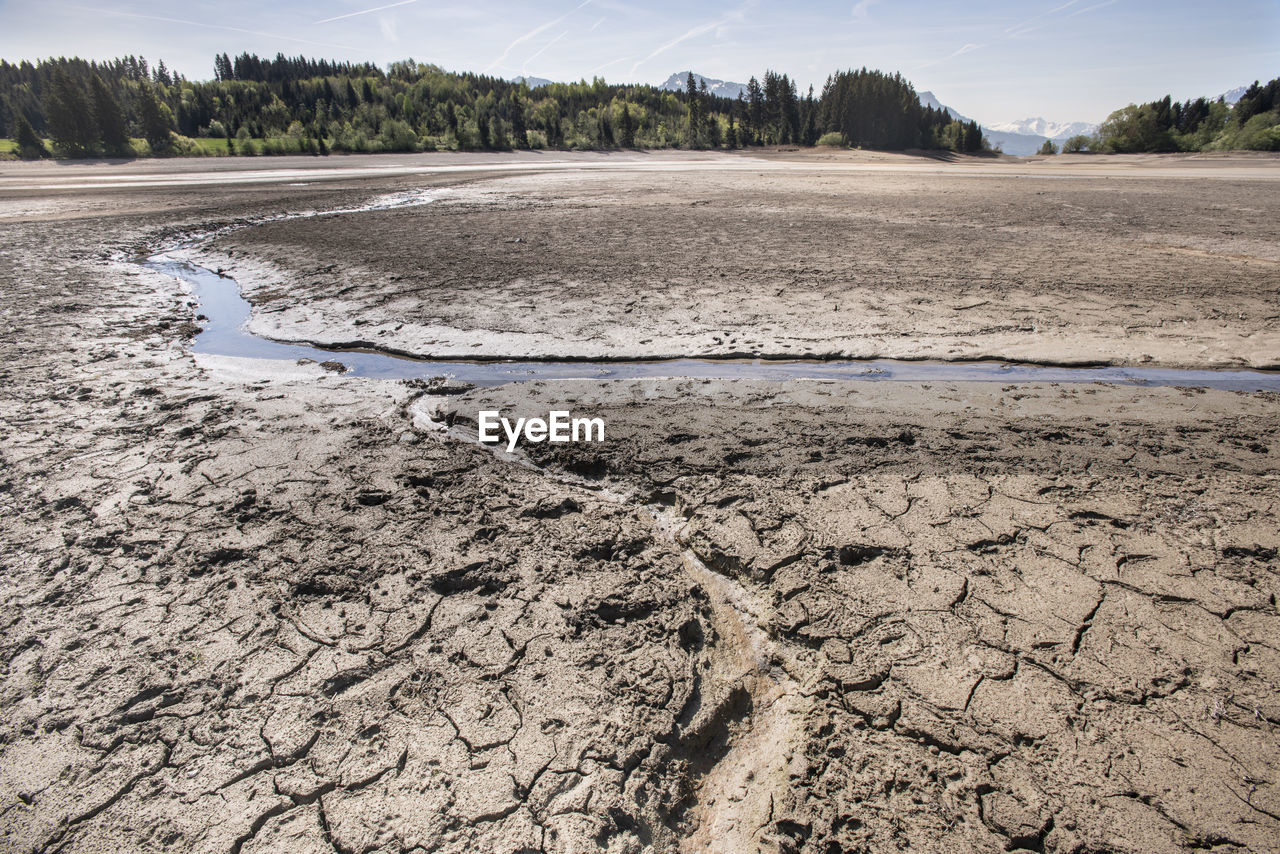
point(735, 16)
point(365, 11)
point(543, 50)
point(524, 38)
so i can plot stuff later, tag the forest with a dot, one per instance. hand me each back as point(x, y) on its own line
point(289, 105)
point(1252, 123)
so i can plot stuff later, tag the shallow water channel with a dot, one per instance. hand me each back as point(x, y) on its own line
point(224, 333)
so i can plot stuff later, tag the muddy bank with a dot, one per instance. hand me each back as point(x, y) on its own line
point(795, 259)
point(248, 609)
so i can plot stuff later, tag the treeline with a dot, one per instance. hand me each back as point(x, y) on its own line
point(875, 110)
point(296, 104)
point(1252, 123)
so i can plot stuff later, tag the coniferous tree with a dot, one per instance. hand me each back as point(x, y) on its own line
point(68, 117)
point(628, 127)
point(30, 146)
point(704, 132)
point(605, 130)
point(222, 68)
point(972, 137)
point(810, 119)
point(755, 108)
point(113, 132)
point(691, 96)
point(151, 119)
point(518, 128)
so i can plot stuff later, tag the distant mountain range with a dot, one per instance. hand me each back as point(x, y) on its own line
point(722, 88)
point(1043, 128)
point(1018, 138)
point(1233, 95)
point(675, 83)
point(532, 82)
point(928, 99)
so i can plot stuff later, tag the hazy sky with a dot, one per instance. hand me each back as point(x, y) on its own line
point(1065, 60)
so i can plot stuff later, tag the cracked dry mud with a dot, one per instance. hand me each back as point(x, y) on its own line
point(255, 608)
point(1030, 617)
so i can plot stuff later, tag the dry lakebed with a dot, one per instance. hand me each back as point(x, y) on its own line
point(264, 591)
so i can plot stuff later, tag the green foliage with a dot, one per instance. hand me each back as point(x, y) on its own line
point(27, 145)
point(626, 127)
point(112, 130)
point(397, 136)
point(1134, 128)
point(1075, 144)
point(154, 119)
point(293, 104)
point(1261, 132)
point(834, 139)
point(872, 109)
point(70, 122)
point(1198, 125)
point(1048, 148)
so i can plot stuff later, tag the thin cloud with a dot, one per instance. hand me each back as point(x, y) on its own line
point(387, 26)
point(1094, 6)
point(693, 33)
point(861, 8)
point(967, 48)
point(1017, 29)
point(1029, 25)
point(543, 50)
point(364, 12)
point(610, 63)
point(533, 34)
point(1038, 22)
point(119, 13)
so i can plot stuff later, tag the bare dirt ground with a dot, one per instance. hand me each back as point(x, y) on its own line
point(261, 608)
point(807, 256)
point(1024, 617)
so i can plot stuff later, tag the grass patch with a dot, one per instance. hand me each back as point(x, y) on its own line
point(209, 147)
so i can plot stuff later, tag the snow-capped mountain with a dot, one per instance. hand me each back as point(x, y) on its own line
point(532, 82)
point(1234, 95)
point(928, 99)
point(1017, 138)
point(1037, 126)
point(721, 88)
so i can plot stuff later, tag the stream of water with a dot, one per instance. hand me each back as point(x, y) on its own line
point(225, 333)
